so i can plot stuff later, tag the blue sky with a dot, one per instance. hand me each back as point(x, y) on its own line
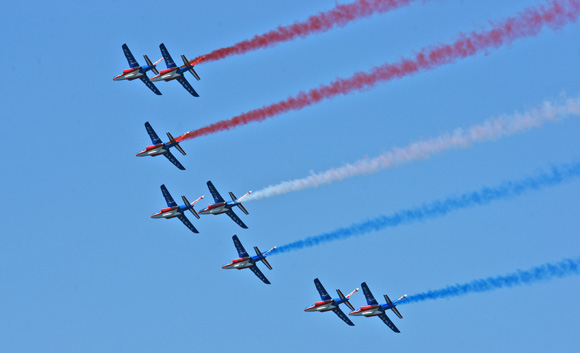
point(83, 268)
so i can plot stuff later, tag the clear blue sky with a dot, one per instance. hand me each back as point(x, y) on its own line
point(84, 269)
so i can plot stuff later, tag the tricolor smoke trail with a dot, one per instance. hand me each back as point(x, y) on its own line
point(564, 268)
point(555, 14)
point(491, 129)
point(340, 16)
point(484, 196)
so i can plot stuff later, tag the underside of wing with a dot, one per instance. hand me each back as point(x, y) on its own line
point(214, 193)
point(152, 134)
point(368, 295)
point(168, 198)
point(239, 247)
point(150, 84)
point(388, 322)
point(341, 315)
point(166, 57)
point(130, 58)
point(187, 223)
point(320, 288)
point(259, 273)
point(236, 219)
point(174, 160)
point(187, 86)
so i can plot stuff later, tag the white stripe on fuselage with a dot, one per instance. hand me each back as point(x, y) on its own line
point(239, 265)
point(168, 76)
point(328, 306)
point(217, 210)
point(153, 152)
point(129, 76)
point(168, 214)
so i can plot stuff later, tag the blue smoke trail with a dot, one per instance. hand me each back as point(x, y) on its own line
point(564, 268)
point(555, 176)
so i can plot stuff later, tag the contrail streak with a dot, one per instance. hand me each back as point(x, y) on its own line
point(564, 268)
point(555, 14)
point(491, 129)
point(339, 16)
point(484, 196)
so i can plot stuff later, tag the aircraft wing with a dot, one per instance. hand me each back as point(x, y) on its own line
point(168, 198)
point(173, 160)
point(216, 195)
point(236, 219)
point(368, 295)
point(323, 293)
point(389, 323)
point(187, 86)
point(259, 273)
point(130, 58)
point(150, 84)
point(187, 223)
point(341, 315)
point(241, 251)
point(168, 60)
point(152, 134)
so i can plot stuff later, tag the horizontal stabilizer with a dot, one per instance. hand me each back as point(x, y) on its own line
point(258, 252)
point(177, 146)
point(193, 203)
point(343, 298)
point(396, 311)
point(194, 74)
point(150, 64)
point(387, 299)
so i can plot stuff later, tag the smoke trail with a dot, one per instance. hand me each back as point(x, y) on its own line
point(486, 195)
point(489, 130)
point(527, 23)
point(564, 268)
point(340, 16)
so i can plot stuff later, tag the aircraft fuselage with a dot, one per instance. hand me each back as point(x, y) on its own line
point(169, 212)
point(322, 306)
point(369, 310)
point(240, 263)
point(216, 208)
point(130, 74)
point(154, 150)
point(168, 75)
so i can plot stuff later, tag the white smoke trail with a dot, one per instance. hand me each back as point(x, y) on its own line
point(491, 129)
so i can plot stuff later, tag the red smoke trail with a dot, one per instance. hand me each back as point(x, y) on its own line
point(340, 16)
point(555, 14)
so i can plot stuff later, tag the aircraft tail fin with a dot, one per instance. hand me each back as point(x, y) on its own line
point(190, 67)
point(176, 144)
point(193, 203)
point(264, 261)
point(234, 198)
point(152, 65)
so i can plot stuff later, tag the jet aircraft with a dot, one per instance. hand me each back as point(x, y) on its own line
point(173, 210)
point(222, 206)
point(159, 147)
point(137, 72)
point(173, 72)
point(247, 261)
point(328, 303)
point(375, 309)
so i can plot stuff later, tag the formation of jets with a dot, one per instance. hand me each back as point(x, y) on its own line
point(372, 309)
point(173, 72)
point(221, 206)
